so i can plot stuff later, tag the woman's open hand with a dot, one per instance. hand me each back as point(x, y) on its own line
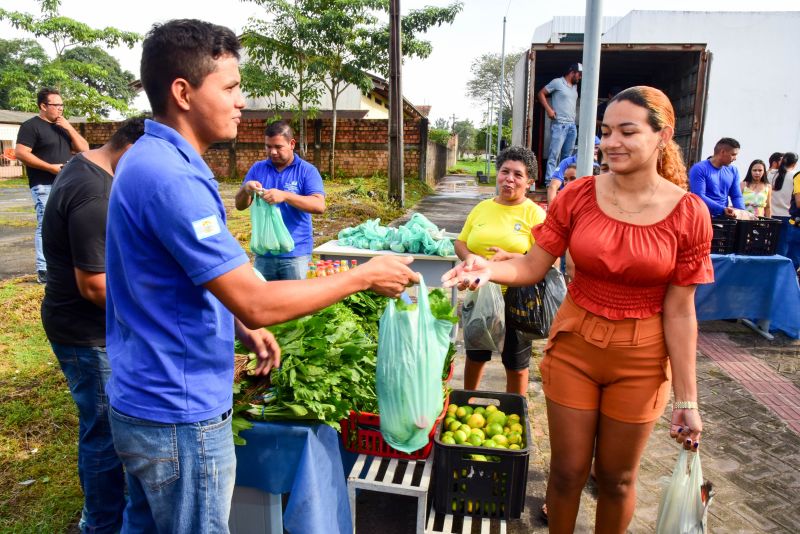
point(471, 274)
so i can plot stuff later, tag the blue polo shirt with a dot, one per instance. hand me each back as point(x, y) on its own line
point(169, 340)
point(301, 178)
point(558, 174)
point(715, 186)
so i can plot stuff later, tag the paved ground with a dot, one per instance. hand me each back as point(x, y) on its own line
point(750, 397)
point(17, 225)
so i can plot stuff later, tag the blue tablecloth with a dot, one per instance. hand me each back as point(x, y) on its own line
point(305, 461)
point(752, 287)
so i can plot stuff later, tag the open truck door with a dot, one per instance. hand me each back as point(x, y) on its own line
point(680, 70)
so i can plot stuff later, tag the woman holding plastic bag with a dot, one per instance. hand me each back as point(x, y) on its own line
point(640, 244)
point(499, 229)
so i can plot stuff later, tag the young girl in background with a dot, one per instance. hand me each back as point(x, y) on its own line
point(756, 191)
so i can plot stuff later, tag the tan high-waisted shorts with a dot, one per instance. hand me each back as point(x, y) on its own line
point(620, 368)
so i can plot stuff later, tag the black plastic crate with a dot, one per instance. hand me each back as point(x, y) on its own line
point(757, 238)
point(494, 489)
point(724, 236)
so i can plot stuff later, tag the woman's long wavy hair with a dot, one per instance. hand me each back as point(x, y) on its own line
point(659, 114)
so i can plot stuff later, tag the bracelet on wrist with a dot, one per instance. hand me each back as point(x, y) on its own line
point(685, 405)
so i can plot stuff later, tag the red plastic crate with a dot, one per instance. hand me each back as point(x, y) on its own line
point(361, 434)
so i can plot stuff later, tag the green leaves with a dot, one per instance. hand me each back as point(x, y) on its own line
point(328, 363)
point(328, 367)
point(90, 80)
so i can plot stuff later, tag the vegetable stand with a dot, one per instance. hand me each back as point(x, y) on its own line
point(431, 267)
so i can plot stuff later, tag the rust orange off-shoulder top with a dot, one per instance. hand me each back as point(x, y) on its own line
point(622, 270)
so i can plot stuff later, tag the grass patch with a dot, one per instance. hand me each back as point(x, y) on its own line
point(38, 419)
point(471, 167)
point(8, 183)
point(21, 209)
point(17, 223)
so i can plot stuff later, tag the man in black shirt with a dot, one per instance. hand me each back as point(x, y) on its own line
point(73, 315)
point(44, 144)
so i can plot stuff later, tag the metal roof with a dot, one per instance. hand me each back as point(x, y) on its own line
point(14, 117)
point(549, 31)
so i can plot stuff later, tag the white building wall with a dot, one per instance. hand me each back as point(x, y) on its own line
point(351, 99)
point(754, 78)
point(8, 132)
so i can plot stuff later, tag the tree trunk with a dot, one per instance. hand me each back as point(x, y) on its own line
point(332, 154)
point(302, 113)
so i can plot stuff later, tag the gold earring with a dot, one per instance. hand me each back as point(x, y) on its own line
point(661, 148)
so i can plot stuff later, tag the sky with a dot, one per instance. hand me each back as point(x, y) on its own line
point(438, 81)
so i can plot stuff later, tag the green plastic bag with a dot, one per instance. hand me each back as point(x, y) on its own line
point(270, 234)
point(412, 347)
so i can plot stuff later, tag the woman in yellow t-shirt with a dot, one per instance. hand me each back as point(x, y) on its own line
point(499, 229)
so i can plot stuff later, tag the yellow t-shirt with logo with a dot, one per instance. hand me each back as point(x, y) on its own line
point(490, 224)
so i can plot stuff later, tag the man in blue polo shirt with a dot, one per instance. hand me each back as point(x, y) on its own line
point(295, 187)
point(716, 180)
point(179, 287)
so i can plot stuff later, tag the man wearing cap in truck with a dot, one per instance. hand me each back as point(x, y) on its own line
point(563, 93)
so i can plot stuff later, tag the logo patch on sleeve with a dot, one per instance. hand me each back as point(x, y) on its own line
point(206, 227)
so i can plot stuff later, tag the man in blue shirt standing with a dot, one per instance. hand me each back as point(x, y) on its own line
point(179, 287)
point(295, 187)
point(563, 93)
point(716, 180)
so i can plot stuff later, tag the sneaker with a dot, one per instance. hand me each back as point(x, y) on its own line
point(41, 277)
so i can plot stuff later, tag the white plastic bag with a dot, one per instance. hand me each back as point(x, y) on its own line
point(683, 508)
point(483, 319)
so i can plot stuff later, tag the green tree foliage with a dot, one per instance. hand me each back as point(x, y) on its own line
point(283, 41)
point(340, 41)
point(113, 81)
point(466, 137)
point(486, 78)
point(480, 138)
point(88, 78)
point(21, 62)
point(439, 135)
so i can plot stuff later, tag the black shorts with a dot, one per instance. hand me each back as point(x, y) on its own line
point(516, 353)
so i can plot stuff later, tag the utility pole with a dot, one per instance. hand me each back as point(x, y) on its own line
point(489, 132)
point(589, 86)
point(502, 87)
point(453, 129)
point(395, 106)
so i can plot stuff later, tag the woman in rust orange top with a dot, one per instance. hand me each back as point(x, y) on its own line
point(640, 244)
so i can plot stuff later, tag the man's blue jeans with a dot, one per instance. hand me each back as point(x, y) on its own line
point(40, 194)
point(793, 245)
point(100, 470)
point(562, 142)
point(273, 268)
point(180, 476)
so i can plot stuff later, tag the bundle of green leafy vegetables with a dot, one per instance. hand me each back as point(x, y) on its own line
point(328, 363)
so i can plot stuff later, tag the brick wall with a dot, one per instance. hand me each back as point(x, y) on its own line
point(362, 146)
